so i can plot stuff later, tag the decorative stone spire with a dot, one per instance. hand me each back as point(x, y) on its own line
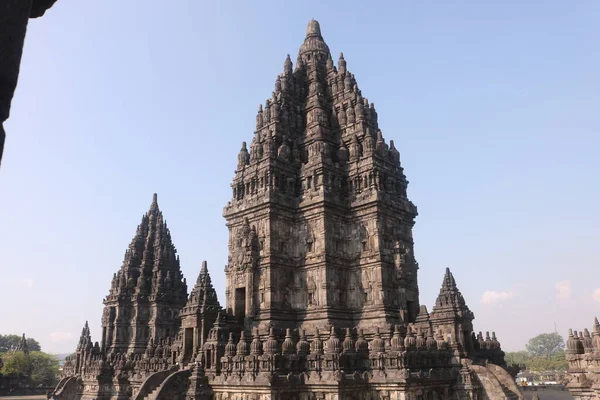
point(394, 154)
point(313, 29)
point(230, 347)
point(431, 342)
point(271, 346)
point(341, 64)
point(396, 342)
point(361, 345)
point(288, 346)
point(588, 345)
point(420, 342)
point(450, 296)
point(596, 336)
point(242, 346)
point(410, 343)
point(85, 337)
point(256, 347)
point(243, 156)
point(287, 66)
point(348, 344)
point(314, 47)
point(423, 317)
point(333, 343)
point(320, 145)
point(303, 347)
point(441, 343)
point(259, 117)
point(377, 345)
point(495, 342)
point(316, 346)
point(203, 295)
point(572, 345)
point(150, 278)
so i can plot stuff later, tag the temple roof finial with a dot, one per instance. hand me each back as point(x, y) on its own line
point(287, 65)
point(314, 47)
point(449, 283)
point(154, 205)
point(313, 28)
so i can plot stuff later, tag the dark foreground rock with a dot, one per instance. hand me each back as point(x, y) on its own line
point(14, 16)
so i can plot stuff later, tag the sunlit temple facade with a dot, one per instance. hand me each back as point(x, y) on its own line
point(322, 298)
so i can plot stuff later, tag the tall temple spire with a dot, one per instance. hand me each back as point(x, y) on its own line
point(449, 295)
point(85, 336)
point(317, 172)
point(150, 278)
point(199, 314)
point(452, 314)
point(203, 294)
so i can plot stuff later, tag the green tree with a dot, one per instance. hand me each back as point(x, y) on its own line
point(556, 362)
point(12, 342)
point(42, 368)
point(545, 345)
point(15, 363)
point(517, 357)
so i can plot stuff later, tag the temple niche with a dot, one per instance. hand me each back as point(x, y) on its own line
point(322, 299)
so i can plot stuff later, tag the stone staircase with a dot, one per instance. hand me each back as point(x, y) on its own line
point(507, 383)
point(151, 385)
point(170, 387)
point(152, 395)
point(496, 383)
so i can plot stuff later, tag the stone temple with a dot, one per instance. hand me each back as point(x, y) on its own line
point(322, 300)
point(583, 355)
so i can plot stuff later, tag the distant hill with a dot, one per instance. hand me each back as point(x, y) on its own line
point(61, 357)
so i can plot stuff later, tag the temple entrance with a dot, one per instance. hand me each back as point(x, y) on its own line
point(188, 345)
point(240, 304)
point(208, 360)
point(410, 306)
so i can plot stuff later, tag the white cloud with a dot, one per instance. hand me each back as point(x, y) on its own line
point(27, 283)
point(563, 290)
point(60, 336)
point(491, 297)
point(596, 295)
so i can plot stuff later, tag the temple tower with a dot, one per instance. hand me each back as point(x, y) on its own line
point(320, 226)
point(452, 316)
point(198, 315)
point(147, 293)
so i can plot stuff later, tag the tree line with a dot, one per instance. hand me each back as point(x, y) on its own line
point(545, 352)
point(40, 368)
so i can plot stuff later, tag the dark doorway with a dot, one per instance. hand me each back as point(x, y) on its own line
point(410, 307)
point(240, 303)
point(188, 345)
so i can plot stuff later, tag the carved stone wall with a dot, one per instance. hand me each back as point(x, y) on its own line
point(147, 293)
point(322, 301)
point(583, 355)
point(320, 224)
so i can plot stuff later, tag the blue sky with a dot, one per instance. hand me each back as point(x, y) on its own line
point(493, 106)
